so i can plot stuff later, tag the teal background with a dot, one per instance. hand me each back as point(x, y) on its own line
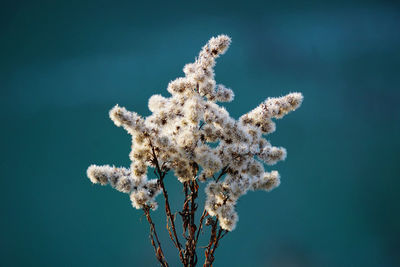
point(64, 64)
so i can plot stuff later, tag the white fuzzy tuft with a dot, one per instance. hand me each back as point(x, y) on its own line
point(195, 138)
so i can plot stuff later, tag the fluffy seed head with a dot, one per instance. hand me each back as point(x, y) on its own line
point(197, 139)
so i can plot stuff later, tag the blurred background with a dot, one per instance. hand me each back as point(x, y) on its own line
point(64, 64)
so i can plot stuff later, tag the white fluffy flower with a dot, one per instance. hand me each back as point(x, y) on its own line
point(192, 135)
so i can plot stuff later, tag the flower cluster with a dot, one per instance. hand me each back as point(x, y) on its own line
point(197, 139)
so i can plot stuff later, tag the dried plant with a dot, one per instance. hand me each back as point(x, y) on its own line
point(189, 134)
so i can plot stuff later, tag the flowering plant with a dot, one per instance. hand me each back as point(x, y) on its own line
point(189, 134)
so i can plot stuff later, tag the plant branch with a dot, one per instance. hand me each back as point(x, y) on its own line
point(157, 246)
point(205, 213)
point(210, 254)
point(223, 172)
point(170, 217)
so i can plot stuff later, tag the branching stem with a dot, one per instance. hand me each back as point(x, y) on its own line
point(191, 232)
point(153, 234)
point(170, 217)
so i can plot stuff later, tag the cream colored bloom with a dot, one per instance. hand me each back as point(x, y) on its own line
point(197, 139)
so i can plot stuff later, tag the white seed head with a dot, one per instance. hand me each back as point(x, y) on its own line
point(194, 137)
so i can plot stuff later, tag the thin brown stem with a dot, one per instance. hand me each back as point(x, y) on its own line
point(216, 242)
point(191, 246)
point(223, 172)
point(211, 242)
point(205, 213)
point(190, 189)
point(153, 233)
point(201, 125)
point(210, 256)
point(170, 217)
point(185, 210)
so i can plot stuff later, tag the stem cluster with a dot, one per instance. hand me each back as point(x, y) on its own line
point(190, 231)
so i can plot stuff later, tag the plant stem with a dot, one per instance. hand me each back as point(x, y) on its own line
point(170, 217)
point(157, 247)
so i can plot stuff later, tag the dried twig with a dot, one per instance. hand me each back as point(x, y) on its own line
point(157, 246)
point(210, 254)
point(170, 217)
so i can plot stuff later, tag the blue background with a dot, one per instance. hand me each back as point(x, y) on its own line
point(64, 64)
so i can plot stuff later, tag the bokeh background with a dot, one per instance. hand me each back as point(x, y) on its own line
point(64, 64)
